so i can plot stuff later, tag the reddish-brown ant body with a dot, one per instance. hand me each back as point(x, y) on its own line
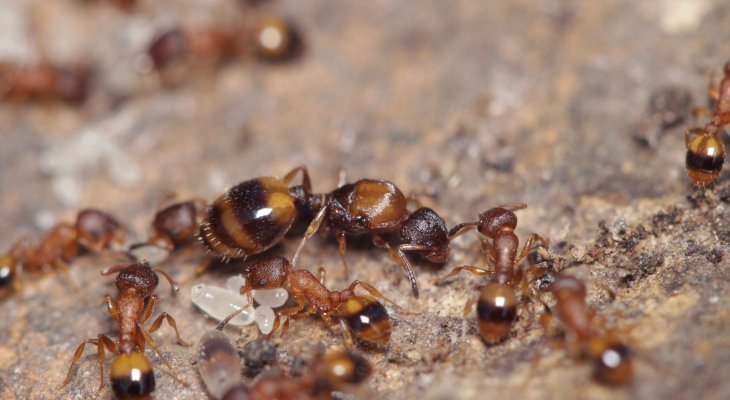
point(44, 82)
point(270, 38)
point(612, 359)
point(131, 371)
point(705, 149)
point(363, 315)
point(326, 373)
point(497, 301)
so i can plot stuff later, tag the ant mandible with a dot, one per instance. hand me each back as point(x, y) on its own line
point(705, 149)
point(131, 372)
point(612, 359)
point(497, 301)
point(362, 315)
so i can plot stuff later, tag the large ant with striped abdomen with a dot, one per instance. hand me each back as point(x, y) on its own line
point(705, 149)
point(497, 301)
point(131, 371)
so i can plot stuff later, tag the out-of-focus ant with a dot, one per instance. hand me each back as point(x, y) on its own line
point(612, 358)
point(497, 301)
point(131, 371)
point(705, 149)
point(44, 82)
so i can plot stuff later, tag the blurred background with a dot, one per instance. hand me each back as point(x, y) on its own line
point(576, 108)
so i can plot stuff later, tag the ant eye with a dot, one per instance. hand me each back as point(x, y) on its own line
point(263, 282)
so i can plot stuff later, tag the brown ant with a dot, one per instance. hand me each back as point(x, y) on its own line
point(325, 374)
point(363, 315)
point(254, 215)
point(612, 359)
point(705, 149)
point(176, 225)
point(378, 207)
point(44, 82)
point(131, 371)
point(270, 38)
point(497, 301)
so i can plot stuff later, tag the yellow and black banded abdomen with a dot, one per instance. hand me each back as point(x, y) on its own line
point(496, 311)
point(132, 376)
point(367, 319)
point(705, 156)
point(249, 218)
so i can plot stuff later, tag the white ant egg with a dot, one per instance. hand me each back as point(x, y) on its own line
point(265, 319)
point(219, 303)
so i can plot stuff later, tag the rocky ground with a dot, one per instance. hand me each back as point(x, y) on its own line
point(575, 108)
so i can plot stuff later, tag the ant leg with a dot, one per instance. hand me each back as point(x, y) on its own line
point(296, 316)
point(170, 321)
point(100, 342)
point(347, 335)
point(287, 312)
point(306, 182)
point(462, 228)
point(311, 230)
point(534, 237)
point(375, 293)
point(247, 291)
point(712, 88)
point(342, 242)
point(322, 273)
point(111, 307)
point(401, 260)
point(146, 337)
point(175, 288)
point(148, 309)
point(470, 268)
point(702, 111)
point(513, 206)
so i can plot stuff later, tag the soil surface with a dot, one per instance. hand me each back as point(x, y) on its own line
point(577, 109)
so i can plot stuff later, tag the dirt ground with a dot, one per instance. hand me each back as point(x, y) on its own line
point(465, 104)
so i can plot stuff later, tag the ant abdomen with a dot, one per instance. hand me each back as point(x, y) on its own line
point(132, 376)
point(249, 218)
point(367, 319)
point(367, 206)
point(705, 156)
point(496, 311)
point(614, 366)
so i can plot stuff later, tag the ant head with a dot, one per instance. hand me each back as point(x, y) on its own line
point(132, 376)
point(268, 272)
point(566, 286)
point(614, 365)
point(346, 367)
point(137, 276)
point(425, 227)
point(496, 219)
point(167, 48)
point(93, 224)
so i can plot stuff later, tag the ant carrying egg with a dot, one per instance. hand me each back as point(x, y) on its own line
point(220, 302)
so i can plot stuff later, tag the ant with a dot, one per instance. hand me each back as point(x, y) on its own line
point(362, 315)
point(705, 149)
point(45, 82)
point(131, 371)
point(497, 302)
point(377, 207)
point(176, 225)
point(612, 359)
point(326, 373)
point(271, 38)
point(254, 215)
